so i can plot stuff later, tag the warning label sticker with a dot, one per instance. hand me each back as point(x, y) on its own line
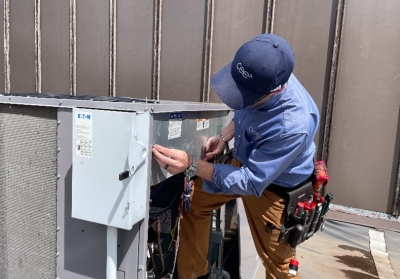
point(83, 134)
point(203, 123)
point(175, 125)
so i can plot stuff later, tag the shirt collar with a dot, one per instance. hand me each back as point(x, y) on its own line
point(269, 104)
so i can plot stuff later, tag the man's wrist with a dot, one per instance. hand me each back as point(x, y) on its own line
point(223, 138)
point(190, 160)
point(192, 169)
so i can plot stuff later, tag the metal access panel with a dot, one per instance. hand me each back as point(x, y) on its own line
point(110, 166)
point(59, 192)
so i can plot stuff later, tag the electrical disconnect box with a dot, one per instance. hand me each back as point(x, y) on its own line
point(74, 166)
point(110, 166)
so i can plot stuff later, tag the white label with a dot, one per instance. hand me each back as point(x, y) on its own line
point(83, 134)
point(203, 123)
point(175, 125)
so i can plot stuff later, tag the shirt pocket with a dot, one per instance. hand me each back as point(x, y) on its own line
point(249, 142)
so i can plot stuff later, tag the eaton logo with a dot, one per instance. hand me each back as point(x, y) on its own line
point(84, 116)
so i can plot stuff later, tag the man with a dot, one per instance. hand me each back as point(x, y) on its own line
point(273, 128)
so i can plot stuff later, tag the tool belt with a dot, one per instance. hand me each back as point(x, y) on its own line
point(305, 207)
point(305, 211)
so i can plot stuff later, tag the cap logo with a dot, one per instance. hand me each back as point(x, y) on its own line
point(244, 73)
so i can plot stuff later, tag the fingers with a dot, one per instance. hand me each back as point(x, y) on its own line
point(161, 158)
point(208, 145)
point(209, 156)
point(163, 150)
point(167, 155)
point(212, 143)
point(173, 160)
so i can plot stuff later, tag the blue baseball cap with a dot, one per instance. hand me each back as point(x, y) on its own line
point(260, 66)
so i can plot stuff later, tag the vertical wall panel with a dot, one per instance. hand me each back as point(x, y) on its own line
point(22, 46)
point(365, 119)
point(2, 77)
point(134, 48)
point(310, 31)
point(182, 47)
point(55, 46)
point(93, 55)
point(235, 22)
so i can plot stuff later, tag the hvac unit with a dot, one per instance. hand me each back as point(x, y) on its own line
point(75, 174)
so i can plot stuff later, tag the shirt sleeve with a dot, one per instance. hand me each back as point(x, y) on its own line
point(265, 164)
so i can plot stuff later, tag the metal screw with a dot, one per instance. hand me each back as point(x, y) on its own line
point(140, 267)
point(152, 109)
point(60, 103)
point(58, 149)
point(146, 108)
point(58, 176)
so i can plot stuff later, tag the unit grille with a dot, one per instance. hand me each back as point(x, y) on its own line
point(28, 168)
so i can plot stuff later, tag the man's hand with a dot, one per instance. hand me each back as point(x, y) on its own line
point(173, 160)
point(214, 146)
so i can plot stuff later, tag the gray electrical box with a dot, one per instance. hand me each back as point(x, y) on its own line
point(110, 171)
point(71, 166)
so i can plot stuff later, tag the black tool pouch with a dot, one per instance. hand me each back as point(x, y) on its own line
point(225, 158)
point(299, 228)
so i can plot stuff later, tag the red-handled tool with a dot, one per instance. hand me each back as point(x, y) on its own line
point(321, 175)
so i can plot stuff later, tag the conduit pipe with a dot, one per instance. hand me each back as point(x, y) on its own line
point(112, 238)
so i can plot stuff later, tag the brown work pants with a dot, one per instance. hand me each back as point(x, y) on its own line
point(195, 228)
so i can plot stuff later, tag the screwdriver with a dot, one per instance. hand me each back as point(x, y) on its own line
point(328, 199)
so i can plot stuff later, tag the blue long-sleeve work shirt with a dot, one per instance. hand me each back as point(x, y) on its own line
point(273, 141)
